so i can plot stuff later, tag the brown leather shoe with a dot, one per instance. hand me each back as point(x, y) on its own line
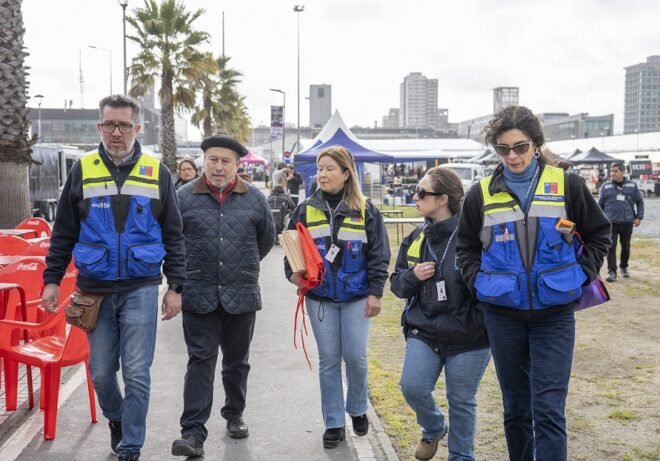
point(426, 448)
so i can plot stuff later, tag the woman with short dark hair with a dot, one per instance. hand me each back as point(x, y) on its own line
point(187, 172)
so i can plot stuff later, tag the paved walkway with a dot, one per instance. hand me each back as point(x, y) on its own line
point(283, 407)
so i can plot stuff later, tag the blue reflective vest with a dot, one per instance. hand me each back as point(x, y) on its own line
point(102, 252)
point(526, 263)
point(346, 279)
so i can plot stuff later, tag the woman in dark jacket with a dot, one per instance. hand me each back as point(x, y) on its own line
point(442, 327)
point(187, 172)
point(350, 235)
point(515, 248)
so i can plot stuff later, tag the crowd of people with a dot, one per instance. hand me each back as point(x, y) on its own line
point(489, 274)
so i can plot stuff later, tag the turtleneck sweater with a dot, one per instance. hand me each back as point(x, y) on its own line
point(519, 183)
point(333, 199)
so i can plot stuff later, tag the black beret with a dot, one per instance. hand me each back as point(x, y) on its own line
point(226, 141)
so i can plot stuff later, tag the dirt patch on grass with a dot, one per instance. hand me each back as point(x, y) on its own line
point(613, 409)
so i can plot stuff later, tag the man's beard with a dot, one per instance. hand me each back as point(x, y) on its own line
point(120, 154)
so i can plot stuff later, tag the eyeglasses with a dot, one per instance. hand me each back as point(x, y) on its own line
point(421, 193)
point(518, 149)
point(109, 127)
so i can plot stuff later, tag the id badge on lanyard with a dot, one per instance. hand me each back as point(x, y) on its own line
point(440, 286)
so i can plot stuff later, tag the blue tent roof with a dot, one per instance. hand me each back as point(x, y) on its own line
point(360, 153)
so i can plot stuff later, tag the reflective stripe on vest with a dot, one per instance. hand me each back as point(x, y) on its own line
point(351, 228)
point(97, 180)
point(414, 254)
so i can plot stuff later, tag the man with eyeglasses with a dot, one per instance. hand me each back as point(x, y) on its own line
point(119, 217)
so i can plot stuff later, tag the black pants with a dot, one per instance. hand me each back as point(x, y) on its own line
point(622, 231)
point(203, 333)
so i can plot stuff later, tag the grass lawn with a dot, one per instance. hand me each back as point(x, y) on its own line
point(612, 409)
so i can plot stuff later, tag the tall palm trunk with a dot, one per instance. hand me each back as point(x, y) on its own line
point(207, 124)
point(168, 139)
point(14, 142)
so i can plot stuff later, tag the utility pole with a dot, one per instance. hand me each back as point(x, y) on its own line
point(123, 5)
point(298, 9)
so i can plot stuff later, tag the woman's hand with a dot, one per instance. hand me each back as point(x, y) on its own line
point(372, 308)
point(295, 278)
point(424, 271)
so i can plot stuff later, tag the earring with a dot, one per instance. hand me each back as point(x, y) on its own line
point(537, 153)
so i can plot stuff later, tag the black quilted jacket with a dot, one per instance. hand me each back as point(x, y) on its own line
point(224, 245)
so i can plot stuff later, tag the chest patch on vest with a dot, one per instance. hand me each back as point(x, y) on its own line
point(550, 187)
point(146, 170)
point(505, 237)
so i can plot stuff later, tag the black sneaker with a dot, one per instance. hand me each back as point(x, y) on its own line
point(332, 437)
point(611, 277)
point(624, 273)
point(360, 425)
point(187, 446)
point(115, 435)
point(237, 429)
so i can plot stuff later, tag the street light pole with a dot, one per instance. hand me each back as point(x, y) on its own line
point(109, 61)
point(298, 9)
point(123, 5)
point(39, 98)
point(283, 118)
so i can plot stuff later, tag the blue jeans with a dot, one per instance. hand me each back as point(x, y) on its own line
point(533, 359)
point(341, 331)
point(125, 331)
point(463, 372)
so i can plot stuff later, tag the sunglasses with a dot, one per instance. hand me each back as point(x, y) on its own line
point(421, 193)
point(518, 149)
point(109, 127)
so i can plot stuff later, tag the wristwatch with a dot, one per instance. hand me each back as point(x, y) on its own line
point(178, 289)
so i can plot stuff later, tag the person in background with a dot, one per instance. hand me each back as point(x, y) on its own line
point(243, 175)
point(623, 205)
point(228, 229)
point(350, 234)
point(279, 176)
point(281, 201)
point(118, 215)
point(294, 181)
point(187, 172)
point(516, 253)
point(442, 326)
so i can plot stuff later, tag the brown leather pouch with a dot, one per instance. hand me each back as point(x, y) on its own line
point(83, 310)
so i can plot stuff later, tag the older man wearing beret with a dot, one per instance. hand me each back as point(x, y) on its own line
point(228, 229)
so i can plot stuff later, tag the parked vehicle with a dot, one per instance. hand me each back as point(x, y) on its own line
point(469, 173)
point(47, 176)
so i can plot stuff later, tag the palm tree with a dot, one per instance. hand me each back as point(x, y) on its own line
point(168, 51)
point(15, 144)
point(221, 109)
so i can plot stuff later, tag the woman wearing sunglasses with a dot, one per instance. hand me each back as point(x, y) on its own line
point(441, 325)
point(350, 235)
point(515, 248)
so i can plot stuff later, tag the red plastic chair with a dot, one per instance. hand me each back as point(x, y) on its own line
point(37, 247)
point(49, 354)
point(39, 225)
point(10, 245)
point(28, 273)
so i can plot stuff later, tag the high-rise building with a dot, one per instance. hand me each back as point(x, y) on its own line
point(642, 107)
point(504, 96)
point(320, 104)
point(418, 102)
point(391, 120)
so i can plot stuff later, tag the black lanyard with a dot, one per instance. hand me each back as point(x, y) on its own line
point(529, 189)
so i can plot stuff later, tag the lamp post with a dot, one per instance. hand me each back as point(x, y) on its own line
point(123, 5)
point(39, 98)
point(283, 118)
point(109, 61)
point(298, 9)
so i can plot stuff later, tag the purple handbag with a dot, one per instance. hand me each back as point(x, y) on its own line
point(593, 294)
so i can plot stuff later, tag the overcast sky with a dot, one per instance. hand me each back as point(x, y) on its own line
point(565, 55)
